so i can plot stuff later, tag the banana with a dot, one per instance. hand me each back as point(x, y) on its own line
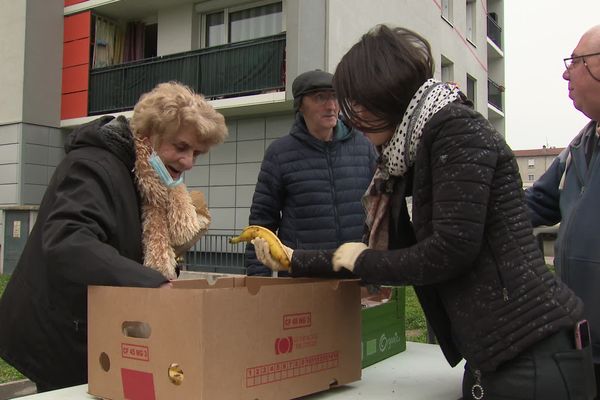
point(275, 246)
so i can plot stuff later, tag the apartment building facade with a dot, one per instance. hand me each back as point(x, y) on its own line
point(67, 63)
point(534, 162)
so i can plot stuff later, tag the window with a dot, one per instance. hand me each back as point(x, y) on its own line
point(471, 88)
point(471, 21)
point(215, 29)
point(531, 177)
point(447, 10)
point(531, 163)
point(234, 25)
point(150, 40)
point(447, 70)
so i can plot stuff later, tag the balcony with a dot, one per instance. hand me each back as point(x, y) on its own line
point(494, 32)
point(495, 94)
point(232, 70)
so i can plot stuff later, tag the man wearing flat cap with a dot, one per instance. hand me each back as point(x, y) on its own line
point(311, 180)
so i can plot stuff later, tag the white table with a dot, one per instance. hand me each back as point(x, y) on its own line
point(419, 373)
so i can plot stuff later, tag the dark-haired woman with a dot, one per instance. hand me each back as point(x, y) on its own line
point(469, 250)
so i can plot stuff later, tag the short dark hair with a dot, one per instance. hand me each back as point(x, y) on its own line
point(382, 72)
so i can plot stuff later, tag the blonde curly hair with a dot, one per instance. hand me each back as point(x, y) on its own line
point(163, 111)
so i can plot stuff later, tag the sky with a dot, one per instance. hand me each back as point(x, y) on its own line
point(538, 34)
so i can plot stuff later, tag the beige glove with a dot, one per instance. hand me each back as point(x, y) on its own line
point(263, 254)
point(345, 256)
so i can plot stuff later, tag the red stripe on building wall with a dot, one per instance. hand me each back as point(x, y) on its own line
point(76, 65)
point(78, 81)
point(74, 105)
point(77, 26)
point(76, 52)
point(71, 2)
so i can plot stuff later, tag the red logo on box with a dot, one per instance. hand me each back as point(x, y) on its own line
point(137, 385)
point(284, 345)
point(135, 352)
point(295, 321)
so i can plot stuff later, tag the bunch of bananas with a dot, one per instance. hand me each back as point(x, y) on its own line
point(275, 246)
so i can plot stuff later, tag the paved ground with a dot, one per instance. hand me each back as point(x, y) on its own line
point(16, 389)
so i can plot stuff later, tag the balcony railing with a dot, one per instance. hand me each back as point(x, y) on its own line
point(214, 253)
point(495, 94)
point(237, 69)
point(494, 32)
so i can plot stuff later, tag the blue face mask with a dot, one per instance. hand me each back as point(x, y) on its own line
point(162, 172)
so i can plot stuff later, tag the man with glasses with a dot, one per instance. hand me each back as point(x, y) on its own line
point(569, 192)
point(312, 180)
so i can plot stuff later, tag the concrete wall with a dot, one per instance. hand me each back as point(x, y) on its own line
point(349, 19)
point(43, 62)
point(177, 30)
point(12, 43)
point(30, 74)
point(307, 44)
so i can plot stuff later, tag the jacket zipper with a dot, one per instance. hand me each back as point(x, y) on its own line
point(567, 223)
point(477, 391)
point(333, 194)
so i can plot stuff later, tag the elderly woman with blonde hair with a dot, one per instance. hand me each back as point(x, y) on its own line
point(115, 213)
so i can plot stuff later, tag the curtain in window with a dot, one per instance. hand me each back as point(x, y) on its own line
point(255, 22)
point(106, 49)
point(134, 42)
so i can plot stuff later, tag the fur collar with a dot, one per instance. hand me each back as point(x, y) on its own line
point(169, 218)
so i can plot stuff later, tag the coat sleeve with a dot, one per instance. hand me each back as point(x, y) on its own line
point(76, 235)
point(318, 264)
point(543, 198)
point(267, 203)
point(461, 160)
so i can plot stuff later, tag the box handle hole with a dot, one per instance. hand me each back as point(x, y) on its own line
point(136, 329)
point(104, 362)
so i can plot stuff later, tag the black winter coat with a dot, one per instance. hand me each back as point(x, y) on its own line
point(88, 232)
point(309, 191)
point(470, 253)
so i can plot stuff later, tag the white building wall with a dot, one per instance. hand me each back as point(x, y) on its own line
point(423, 17)
point(31, 33)
point(177, 29)
point(12, 43)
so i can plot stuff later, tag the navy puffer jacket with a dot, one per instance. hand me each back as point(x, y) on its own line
point(309, 191)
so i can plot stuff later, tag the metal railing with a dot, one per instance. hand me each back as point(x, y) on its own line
point(214, 253)
point(494, 32)
point(495, 94)
point(237, 69)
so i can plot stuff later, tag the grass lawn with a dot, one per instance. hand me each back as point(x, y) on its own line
point(416, 328)
point(416, 325)
point(7, 373)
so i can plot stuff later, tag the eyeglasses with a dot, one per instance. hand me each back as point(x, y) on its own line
point(572, 61)
point(323, 97)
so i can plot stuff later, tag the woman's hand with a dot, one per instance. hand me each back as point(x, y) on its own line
point(345, 256)
point(263, 254)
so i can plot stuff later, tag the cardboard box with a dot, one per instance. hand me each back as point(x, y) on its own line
point(239, 338)
point(383, 324)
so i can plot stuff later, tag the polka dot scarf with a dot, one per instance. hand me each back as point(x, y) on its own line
point(399, 154)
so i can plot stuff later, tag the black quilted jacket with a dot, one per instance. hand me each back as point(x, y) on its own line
point(470, 254)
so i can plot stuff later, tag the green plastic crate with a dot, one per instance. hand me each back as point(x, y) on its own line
point(383, 329)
